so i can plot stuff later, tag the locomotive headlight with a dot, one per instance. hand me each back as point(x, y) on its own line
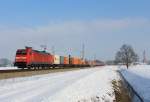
point(20, 58)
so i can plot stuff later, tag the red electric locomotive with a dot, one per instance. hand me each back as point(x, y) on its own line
point(26, 58)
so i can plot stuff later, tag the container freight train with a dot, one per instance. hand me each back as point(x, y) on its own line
point(30, 58)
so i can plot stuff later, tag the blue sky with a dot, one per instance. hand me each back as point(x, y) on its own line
point(102, 25)
point(33, 12)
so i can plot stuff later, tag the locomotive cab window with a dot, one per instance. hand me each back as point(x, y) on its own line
point(21, 52)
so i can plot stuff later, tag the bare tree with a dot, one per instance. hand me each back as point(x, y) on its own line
point(126, 55)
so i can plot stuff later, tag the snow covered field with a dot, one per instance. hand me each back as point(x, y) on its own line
point(85, 85)
point(139, 77)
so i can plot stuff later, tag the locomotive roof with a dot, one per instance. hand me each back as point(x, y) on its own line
point(44, 52)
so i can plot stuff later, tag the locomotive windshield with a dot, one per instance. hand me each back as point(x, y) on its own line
point(21, 52)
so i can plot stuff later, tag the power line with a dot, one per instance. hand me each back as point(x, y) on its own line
point(53, 50)
point(44, 47)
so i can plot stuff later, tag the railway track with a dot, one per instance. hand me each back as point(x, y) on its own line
point(13, 70)
point(5, 74)
point(27, 70)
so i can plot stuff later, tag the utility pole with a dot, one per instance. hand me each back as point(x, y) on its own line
point(144, 57)
point(94, 57)
point(83, 52)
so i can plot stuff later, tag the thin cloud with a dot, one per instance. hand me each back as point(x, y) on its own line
point(78, 27)
point(70, 29)
point(66, 33)
point(104, 25)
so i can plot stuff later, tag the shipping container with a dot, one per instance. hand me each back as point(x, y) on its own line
point(61, 59)
point(66, 60)
point(56, 59)
point(74, 61)
point(79, 61)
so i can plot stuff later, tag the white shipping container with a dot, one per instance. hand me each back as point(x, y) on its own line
point(56, 59)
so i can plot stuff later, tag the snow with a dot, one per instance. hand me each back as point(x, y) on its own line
point(139, 77)
point(86, 85)
point(8, 68)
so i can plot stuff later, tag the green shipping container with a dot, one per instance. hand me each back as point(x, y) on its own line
point(61, 59)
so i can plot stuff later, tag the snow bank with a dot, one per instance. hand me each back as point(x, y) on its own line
point(88, 85)
point(139, 77)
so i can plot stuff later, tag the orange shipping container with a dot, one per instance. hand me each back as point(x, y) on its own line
point(74, 61)
point(66, 60)
point(80, 61)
